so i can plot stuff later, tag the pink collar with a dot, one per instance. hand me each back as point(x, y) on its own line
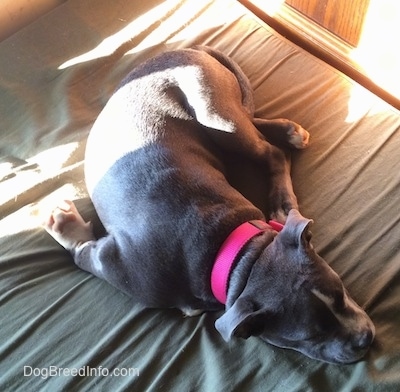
point(230, 249)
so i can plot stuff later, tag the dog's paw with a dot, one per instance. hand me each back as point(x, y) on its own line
point(67, 226)
point(298, 136)
point(281, 203)
point(189, 312)
point(279, 216)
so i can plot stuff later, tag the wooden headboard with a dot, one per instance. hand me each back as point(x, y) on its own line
point(354, 36)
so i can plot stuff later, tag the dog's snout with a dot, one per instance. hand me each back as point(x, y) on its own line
point(363, 340)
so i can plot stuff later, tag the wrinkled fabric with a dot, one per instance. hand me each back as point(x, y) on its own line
point(55, 77)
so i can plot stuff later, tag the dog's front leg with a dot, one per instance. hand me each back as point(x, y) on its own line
point(281, 198)
point(66, 225)
point(99, 257)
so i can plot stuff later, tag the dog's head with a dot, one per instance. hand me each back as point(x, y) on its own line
point(293, 299)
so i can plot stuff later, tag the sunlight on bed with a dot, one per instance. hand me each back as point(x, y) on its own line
point(111, 43)
point(43, 174)
point(377, 57)
point(362, 103)
point(377, 52)
point(170, 17)
point(32, 216)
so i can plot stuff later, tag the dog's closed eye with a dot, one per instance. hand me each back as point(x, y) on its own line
point(308, 235)
point(340, 300)
point(336, 300)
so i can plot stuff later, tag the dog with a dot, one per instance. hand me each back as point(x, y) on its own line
point(161, 164)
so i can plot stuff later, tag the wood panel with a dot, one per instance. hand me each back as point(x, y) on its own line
point(344, 18)
point(373, 46)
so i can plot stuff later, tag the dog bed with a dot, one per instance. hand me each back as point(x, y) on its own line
point(63, 329)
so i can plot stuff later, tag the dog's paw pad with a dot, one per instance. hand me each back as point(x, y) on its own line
point(67, 227)
point(298, 137)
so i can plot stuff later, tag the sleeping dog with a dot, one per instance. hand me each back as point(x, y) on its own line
point(165, 165)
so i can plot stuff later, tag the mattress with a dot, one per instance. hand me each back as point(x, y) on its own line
point(63, 329)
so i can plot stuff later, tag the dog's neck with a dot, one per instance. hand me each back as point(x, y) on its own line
point(230, 250)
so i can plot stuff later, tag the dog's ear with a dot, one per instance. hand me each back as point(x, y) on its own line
point(297, 228)
point(241, 320)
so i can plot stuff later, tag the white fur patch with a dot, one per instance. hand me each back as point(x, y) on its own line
point(97, 265)
point(188, 312)
point(299, 137)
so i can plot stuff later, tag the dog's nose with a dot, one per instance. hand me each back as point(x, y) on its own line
point(363, 340)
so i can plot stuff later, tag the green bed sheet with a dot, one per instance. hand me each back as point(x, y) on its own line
point(65, 330)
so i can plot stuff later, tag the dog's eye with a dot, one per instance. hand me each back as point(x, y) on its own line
point(339, 301)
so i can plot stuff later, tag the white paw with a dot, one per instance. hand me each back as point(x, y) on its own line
point(188, 312)
point(279, 216)
point(298, 137)
point(67, 226)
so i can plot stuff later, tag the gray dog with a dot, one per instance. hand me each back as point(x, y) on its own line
point(164, 168)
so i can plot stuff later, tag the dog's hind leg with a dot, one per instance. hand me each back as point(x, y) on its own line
point(216, 103)
point(243, 81)
point(283, 133)
point(280, 132)
point(222, 104)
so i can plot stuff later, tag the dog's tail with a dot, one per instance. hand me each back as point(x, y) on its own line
point(244, 83)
